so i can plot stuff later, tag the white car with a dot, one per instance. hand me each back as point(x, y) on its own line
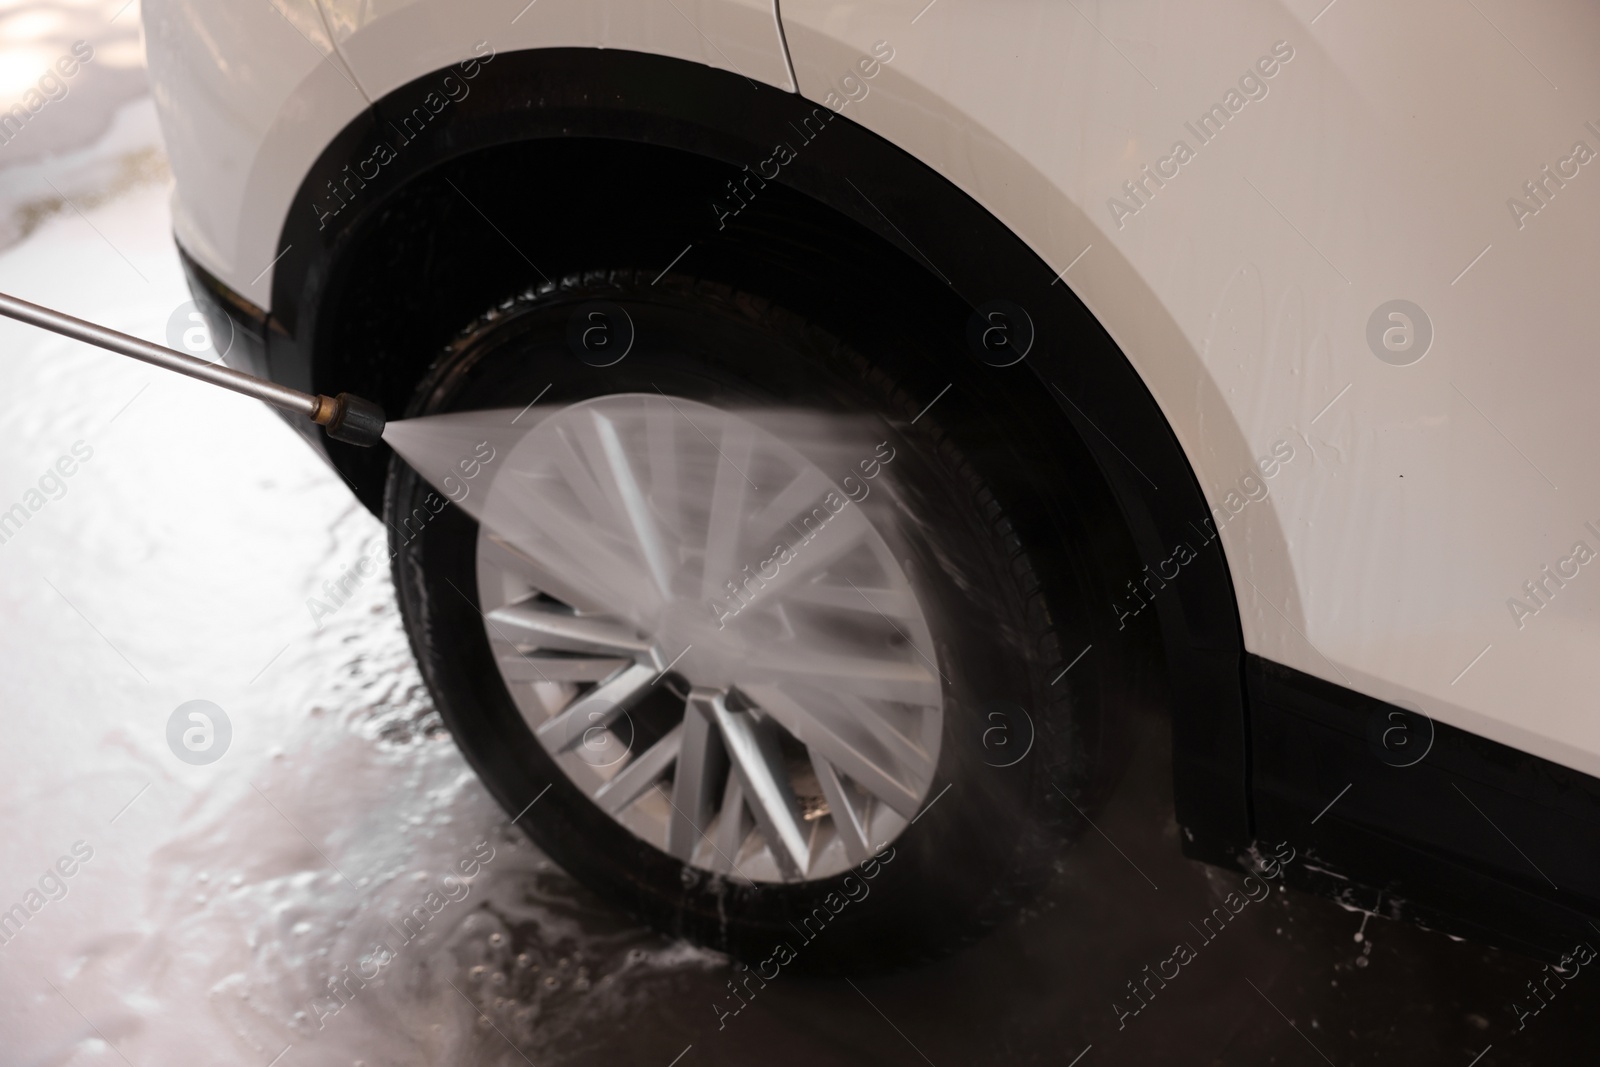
point(1235, 355)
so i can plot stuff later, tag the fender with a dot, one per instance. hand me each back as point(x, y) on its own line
point(691, 113)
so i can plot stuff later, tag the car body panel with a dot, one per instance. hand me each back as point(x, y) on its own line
point(264, 88)
point(248, 94)
point(1378, 165)
point(390, 42)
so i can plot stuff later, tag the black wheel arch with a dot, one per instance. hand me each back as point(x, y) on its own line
point(571, 159)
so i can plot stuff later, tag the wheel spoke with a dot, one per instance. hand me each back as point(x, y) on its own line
point(694, 782)
point(839, 744)
point(803, 492)
point(561, 544)
point(554, 667)
point(906, 683)
point(848, 823)
point(661, 426)
point(631, 501)
point(857, 718)
point(642, 772)
point(894, 603)
point(598, 707)
point(570, 589)
point(577, 471)
point(753, 753)
point(841, 534)
point(733, 826)
point(550, 627)
point(725, 520)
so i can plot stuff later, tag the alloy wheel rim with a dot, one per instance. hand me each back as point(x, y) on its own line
point(636, 545)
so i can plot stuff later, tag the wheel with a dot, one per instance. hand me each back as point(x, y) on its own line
point(748, 642)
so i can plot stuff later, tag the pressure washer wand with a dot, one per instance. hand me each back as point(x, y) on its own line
point(344, 418)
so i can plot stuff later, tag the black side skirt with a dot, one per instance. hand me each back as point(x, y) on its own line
point(1410, 818)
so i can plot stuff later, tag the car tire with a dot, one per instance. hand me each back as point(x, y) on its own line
point(1012, 746)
